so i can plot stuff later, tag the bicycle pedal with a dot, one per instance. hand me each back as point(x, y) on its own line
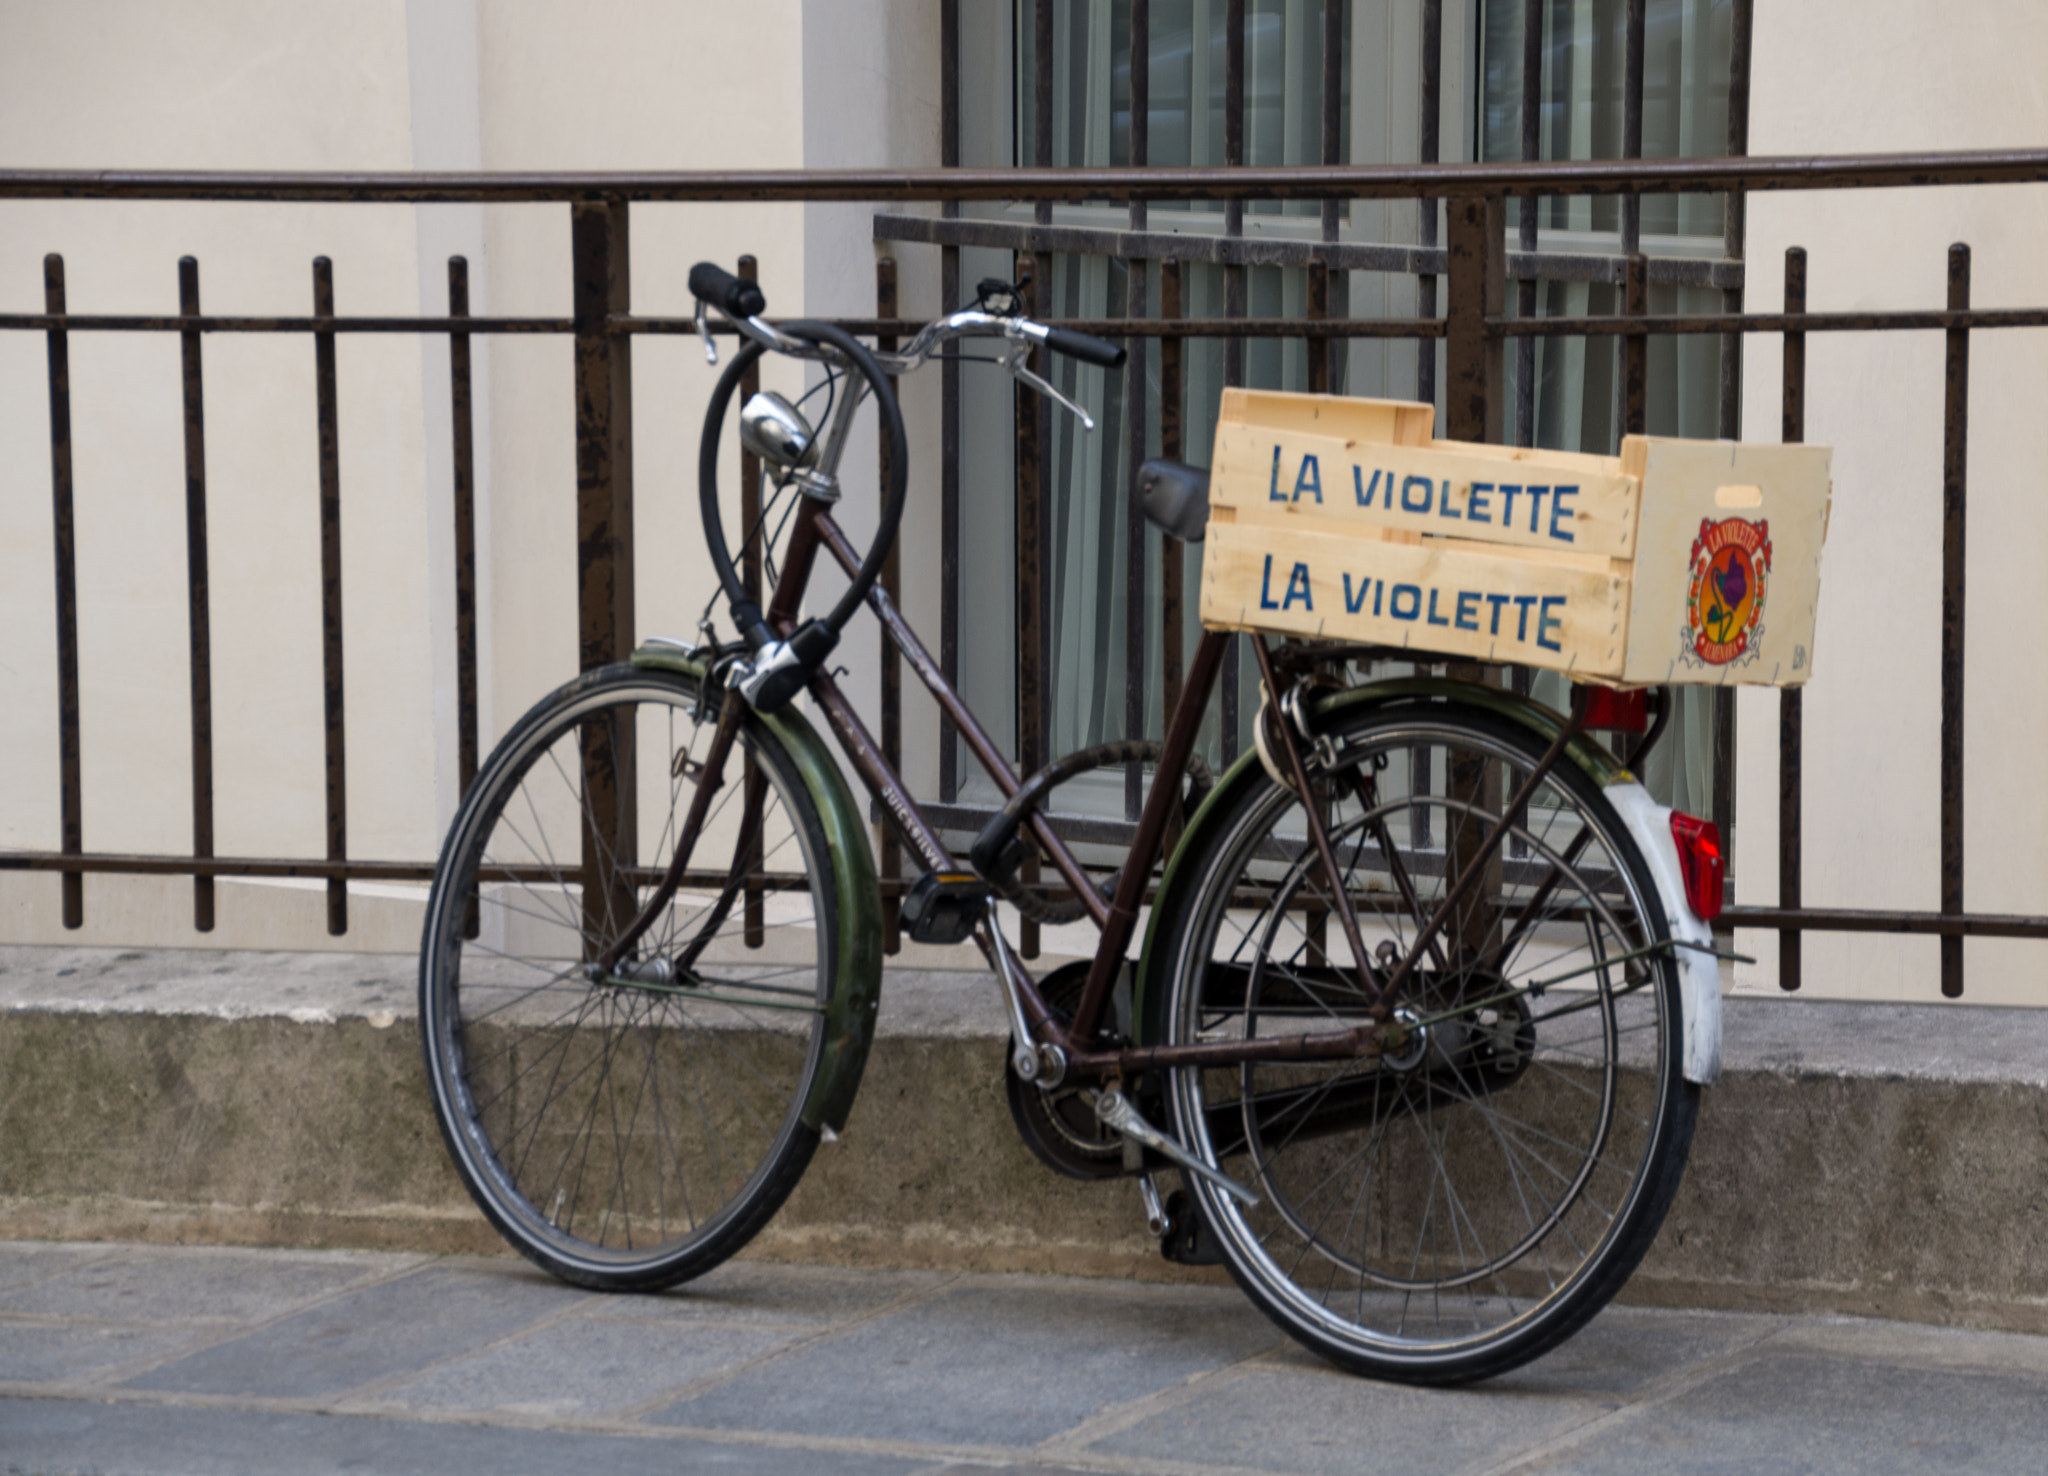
point(1188, 1240)
point(943, 907)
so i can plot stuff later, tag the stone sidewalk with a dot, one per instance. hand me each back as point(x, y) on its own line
point(119, 1359)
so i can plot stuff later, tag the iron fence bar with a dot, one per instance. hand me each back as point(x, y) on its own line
point(1172, 555)
point(461, 399)
point(1876, 920)
point(1136, 300)
point(1285, 251)
point(1635, 351)
point(1954, 548)
point(1632, 119)
point(1029, 524)
point(753, 906)
point(1236, 307)
point(1729, 422)
point(198, 598)
point(891, 675)
point(1928, 320)
point(330, 594)
point(1428, 145)
point(949, 528)
point(949, 405)
point(1792, 700)
point(1477, 284)
point(1135, 538)
point(1532, 148)
point(65, 537)
point(1332, 103)
point(1427, 179)
point(218, 323)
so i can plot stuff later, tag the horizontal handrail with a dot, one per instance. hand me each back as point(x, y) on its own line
point(1300, 182)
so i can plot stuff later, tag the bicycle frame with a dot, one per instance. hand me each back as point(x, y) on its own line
point(813, 528)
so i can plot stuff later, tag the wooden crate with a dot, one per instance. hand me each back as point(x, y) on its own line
point(1676, 561)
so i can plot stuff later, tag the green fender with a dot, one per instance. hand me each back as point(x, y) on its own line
point(857, 979)
point(1175, 887)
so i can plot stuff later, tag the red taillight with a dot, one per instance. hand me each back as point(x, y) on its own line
point(1619, 712)
point(1699, 861)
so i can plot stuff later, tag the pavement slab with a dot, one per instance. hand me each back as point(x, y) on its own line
point(143, 1360)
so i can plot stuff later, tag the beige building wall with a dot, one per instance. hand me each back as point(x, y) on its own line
point(363, 85)
point(1903, 76)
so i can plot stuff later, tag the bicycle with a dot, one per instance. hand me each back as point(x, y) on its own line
point(1419, 1018)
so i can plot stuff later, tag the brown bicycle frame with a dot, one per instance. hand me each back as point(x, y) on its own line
point(814, 528)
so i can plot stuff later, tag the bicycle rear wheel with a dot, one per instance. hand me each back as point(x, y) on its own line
point(1459, 1206)
point(633, 1130)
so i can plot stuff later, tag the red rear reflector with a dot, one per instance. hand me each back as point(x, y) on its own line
point(1699, 861)
point(1619, 712)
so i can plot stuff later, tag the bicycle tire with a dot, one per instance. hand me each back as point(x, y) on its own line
point(628, 1137)
point(1467, 1203)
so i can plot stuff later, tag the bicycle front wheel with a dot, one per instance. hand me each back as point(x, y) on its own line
point(1454, 1207)
point(632, 1129)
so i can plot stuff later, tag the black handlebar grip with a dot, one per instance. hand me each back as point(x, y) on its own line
point(1084, 346)
point(737, 297)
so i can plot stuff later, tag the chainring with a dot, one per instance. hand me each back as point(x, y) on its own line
point(1059, 1126)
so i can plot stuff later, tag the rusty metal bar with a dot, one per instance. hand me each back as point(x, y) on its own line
point(891, 857)
point(1233, 107)
point(64, 525)
point(1135, 540)
point(1635, 351)
point(1882, 920)
point(1031, 573)
point(1430, 128)
point(601, 275)
point(1332, 100)
point(753, 907)
point(1532, 148)
point(461, 396)
point(1316, 308)
point(1955, 445)
point(198, 599)
point(1172, 556)
point(1281, 251)
point(1632, 120)
point(330, 595)
point(1141, 98)
point(949, 527)
point(1931, 320)
point(1428, 179)
point(1136, 431)
point(949, 98)
point(1792, 700)
point(1235, 307)
point(1477, 284)
point(1041, 97)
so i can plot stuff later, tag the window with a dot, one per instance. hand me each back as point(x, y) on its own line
point(1565, 390)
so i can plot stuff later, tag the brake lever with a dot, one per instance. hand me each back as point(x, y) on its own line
point(1014, 362)
point(704, 332)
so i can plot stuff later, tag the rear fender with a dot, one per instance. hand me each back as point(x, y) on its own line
point(1648, 824)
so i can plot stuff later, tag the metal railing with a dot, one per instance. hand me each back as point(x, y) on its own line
point(1475, 263)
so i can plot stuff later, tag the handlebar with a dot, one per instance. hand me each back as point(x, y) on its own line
point(776, 669)
point(734, 296)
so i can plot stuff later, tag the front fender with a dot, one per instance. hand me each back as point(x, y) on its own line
point(857, 976)
point(1647, 822)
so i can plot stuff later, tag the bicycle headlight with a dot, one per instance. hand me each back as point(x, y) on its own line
point(776, 431)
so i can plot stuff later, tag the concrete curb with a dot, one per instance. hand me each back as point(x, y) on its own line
point(1879, 1160)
